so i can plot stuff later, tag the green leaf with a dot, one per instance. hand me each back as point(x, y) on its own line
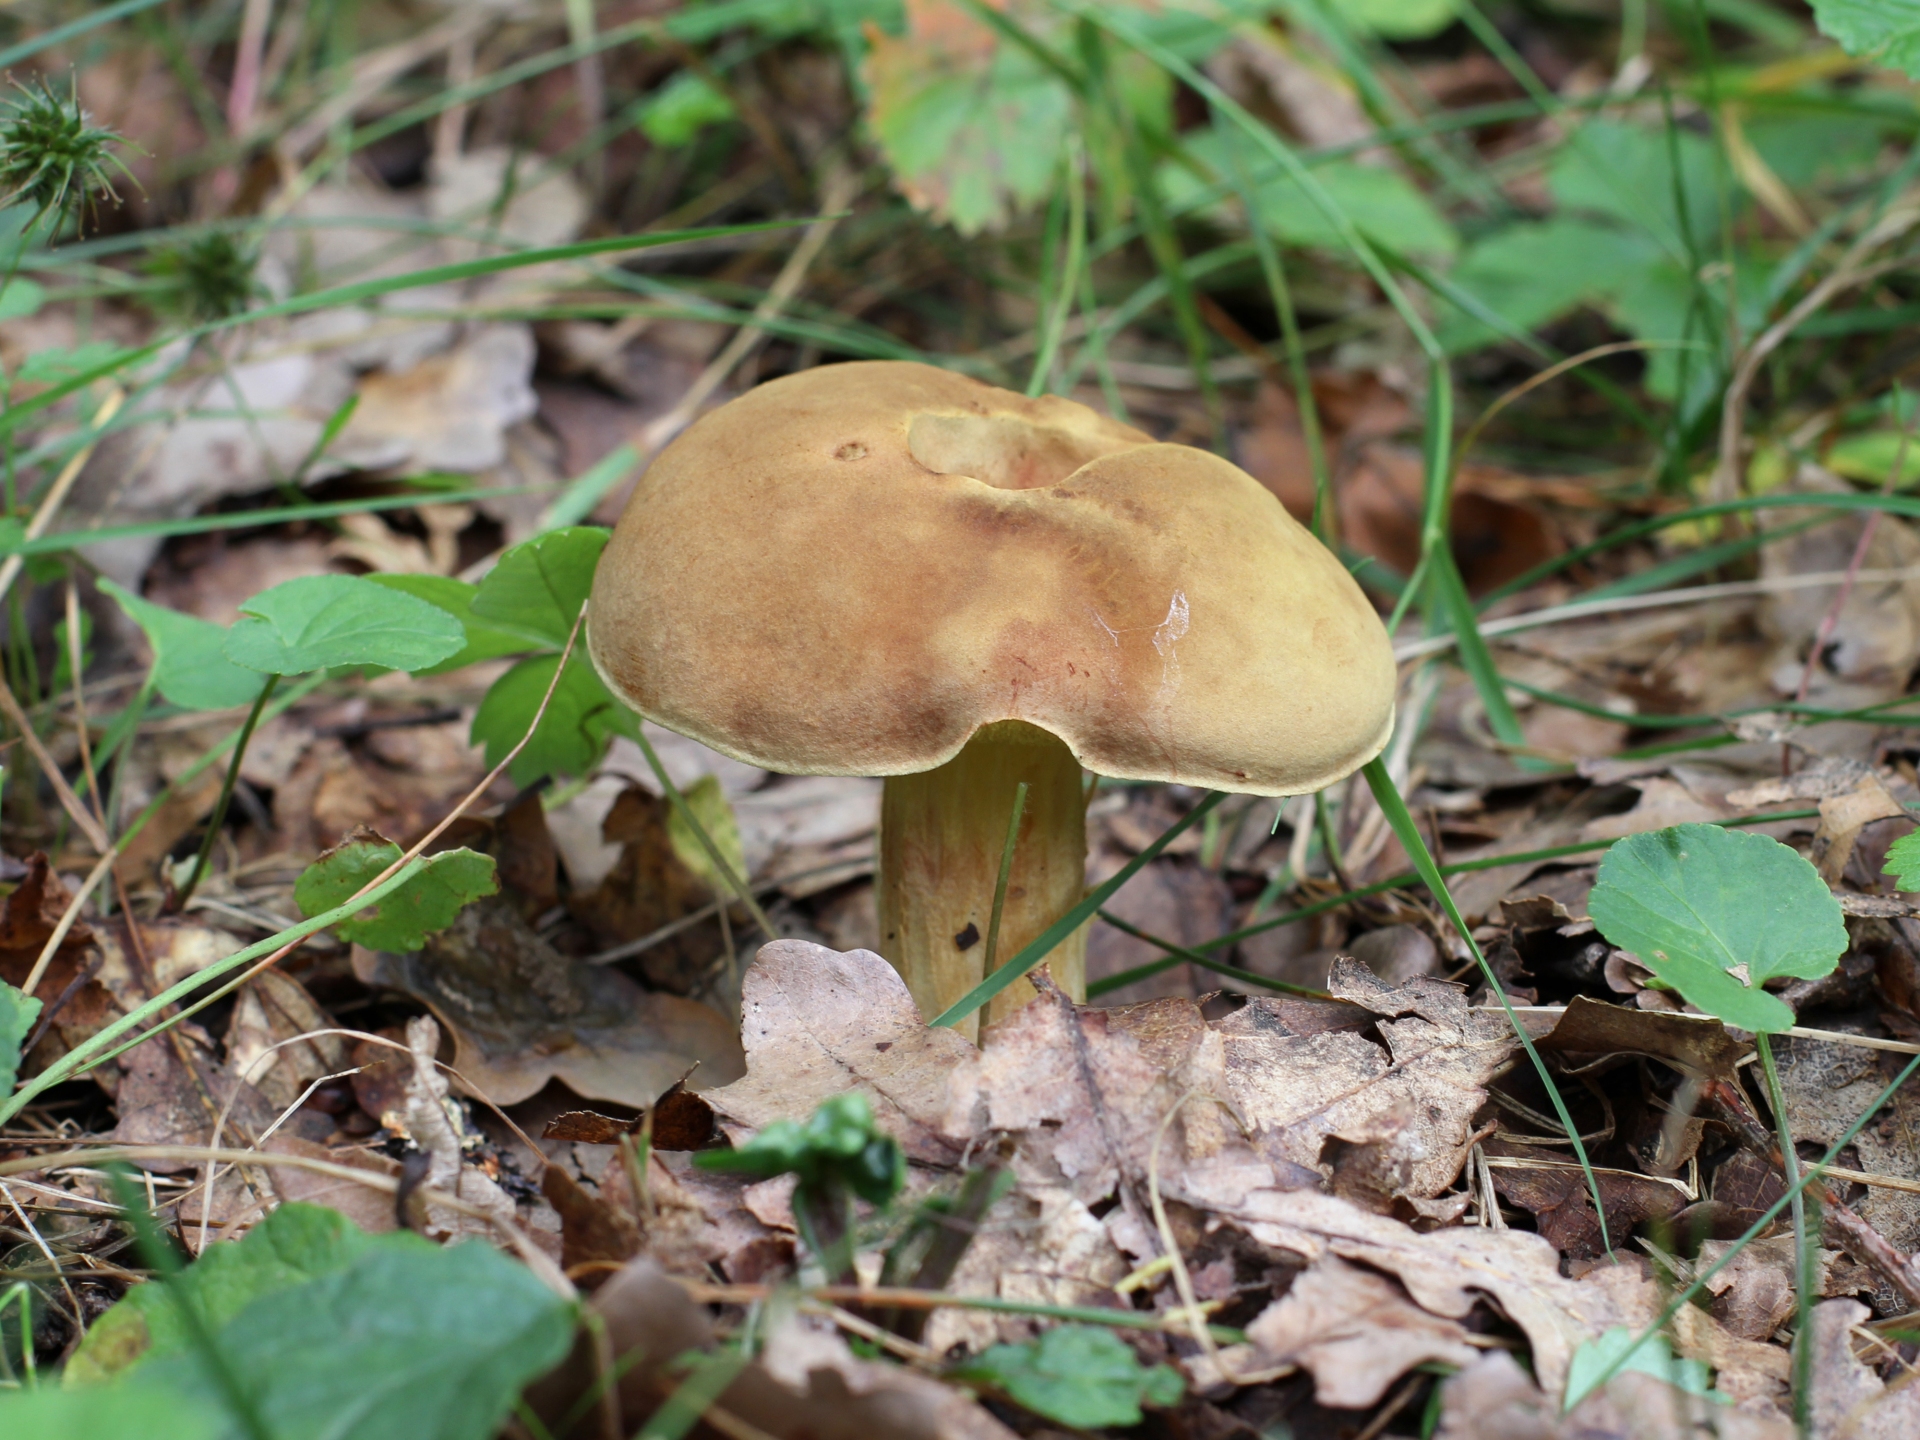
point(50, 367)
point(1903, 861)
point(1079, 1375)
point(582, 717)
point(1538, 270)
point(1399, 19)
point(319, 621)
point(708, 802)
point(1651, 1356)
point(20, 297)
point(190, 665)
point(1695, 902)
point(1888, 30)
point(484, 642)
point(427, 902)
point(537, 588)
point(679, 110)
point(294, 1244)
point(114, 1412)
point(1383, 204)
point(18, 1012)
point(407, 1342)
point(972, 127)
point(839, 1144)
point(1629, 172)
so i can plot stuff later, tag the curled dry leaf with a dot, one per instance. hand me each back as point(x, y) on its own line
point(435, 1128)
point(521, 1014)
point(1493, 1399)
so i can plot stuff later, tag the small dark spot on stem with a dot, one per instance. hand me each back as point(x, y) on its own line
point(852, 450)
point(883, 1045)
point(969, 937)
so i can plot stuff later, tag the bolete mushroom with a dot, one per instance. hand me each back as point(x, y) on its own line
point(883, 568)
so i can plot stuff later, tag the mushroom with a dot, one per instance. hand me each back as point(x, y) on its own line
point(883, 568)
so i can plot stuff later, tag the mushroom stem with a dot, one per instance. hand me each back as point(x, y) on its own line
point(942, 835)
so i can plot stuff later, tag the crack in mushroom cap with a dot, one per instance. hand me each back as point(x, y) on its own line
point(850, 570)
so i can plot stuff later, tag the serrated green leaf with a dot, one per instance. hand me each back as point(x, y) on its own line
point(484, 641)
point(18, 1012)
point(190, 665)
point(1666, 182)
point(1651, 1356)
point(582, 717)
point(1696, 902)
point(1536, 271)
point(1903, 861)
point(427, 902)
point(537, 588)
point(294, 1244)
point(1888, 30)
point(709, 805)
point(973, 128)
point(1079, 1375)
point(320, 621)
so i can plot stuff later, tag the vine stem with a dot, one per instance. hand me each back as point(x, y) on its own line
point(1803, 1256)
point(219, 816)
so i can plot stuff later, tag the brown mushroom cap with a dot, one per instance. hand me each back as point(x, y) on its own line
point(851, 570)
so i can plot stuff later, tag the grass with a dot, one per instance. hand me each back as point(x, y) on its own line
point(1110, 267)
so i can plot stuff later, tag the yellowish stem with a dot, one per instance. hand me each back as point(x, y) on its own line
point(942, 834)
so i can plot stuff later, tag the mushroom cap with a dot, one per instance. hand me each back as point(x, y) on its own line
point(850, 570)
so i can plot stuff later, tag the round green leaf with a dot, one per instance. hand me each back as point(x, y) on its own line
point(1079, 1375)
point(1717, 913)
point(190, 665)
point(320, 621)
point(426, 903)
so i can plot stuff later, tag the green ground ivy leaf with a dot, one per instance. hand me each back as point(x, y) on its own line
point(1695, 902)
point(484, 642)
point(190, 665)
point(1537, 270)
point(18, 1012)
point(406, 1341)
point(537, 588)
point(1651, 1356)
point(972, 127)
point(1889, 30)
point(1903, 861)
point(293, 1245)
point(582, 717)
point(1079, 1375)
point(319, 621)
point(402, 921)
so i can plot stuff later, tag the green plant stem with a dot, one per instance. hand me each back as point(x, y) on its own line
point(1006, 873)
point(1205, 962)
point(219, 816)
point(1067, 280)
point(1415, 844)
point(1803, 1257)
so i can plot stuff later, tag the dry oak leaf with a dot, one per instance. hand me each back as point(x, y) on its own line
point(1445, 1271)
point(817, 1023)
point(1418, 1097)
point(1355, 1332)
point(1493, 1399)
point(1103, 1098)
point(1851, 1402)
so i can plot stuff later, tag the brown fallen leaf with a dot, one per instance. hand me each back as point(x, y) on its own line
point(805, 1383)
point(371, 1209)
point(1554, 1192)
point(437, 1132)
point(648, 887)
point(816, 1023)
point(1851, 1402)
point(1494, 1399)
point(522, 1014)
point(1296, 1091)
point(271, 1010)
point(1355, 1332)
point(591, 1229)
